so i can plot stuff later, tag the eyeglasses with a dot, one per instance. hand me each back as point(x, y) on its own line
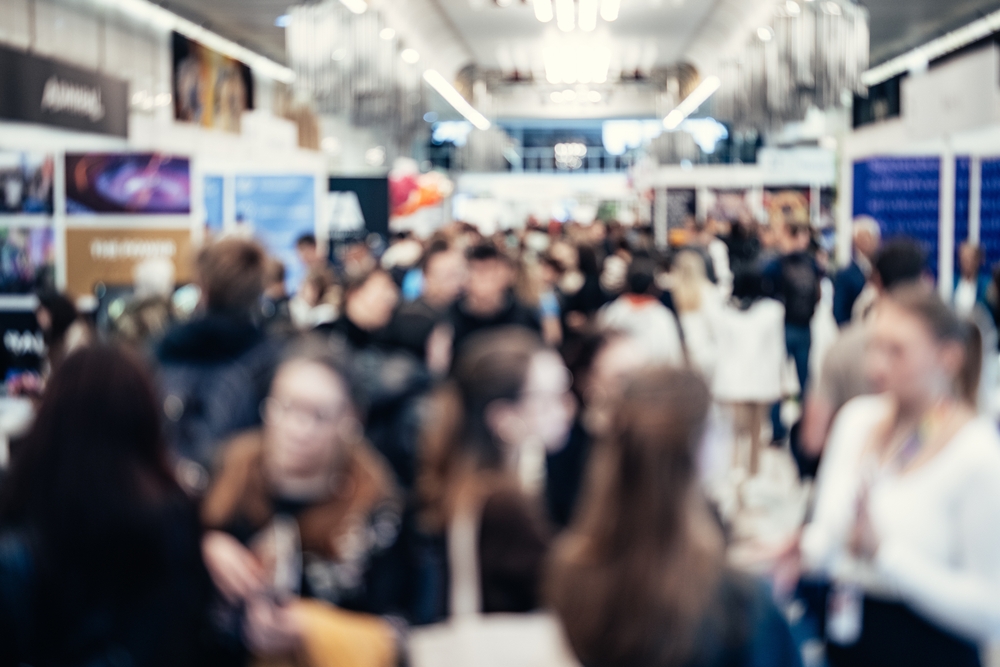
point(275, 409)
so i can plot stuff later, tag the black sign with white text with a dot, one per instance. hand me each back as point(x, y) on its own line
point(40, 90)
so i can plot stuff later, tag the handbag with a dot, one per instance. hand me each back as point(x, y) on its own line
point(469, 638)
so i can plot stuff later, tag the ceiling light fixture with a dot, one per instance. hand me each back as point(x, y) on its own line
point(387, 34)
point(576, 63)
point(691, 103)
point(765, 34)
point(356, 6)
point(455, 99)
point(609, 9)
point(588, 15)
point(565, 14)
point(283, 21)
point(543, 10)
point(410, 56)
point(594, 96)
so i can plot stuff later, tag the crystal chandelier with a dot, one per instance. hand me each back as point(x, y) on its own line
point(812, 54)
point(348, 62)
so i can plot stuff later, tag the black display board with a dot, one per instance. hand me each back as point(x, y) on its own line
point(40, 90)
point(373, 197)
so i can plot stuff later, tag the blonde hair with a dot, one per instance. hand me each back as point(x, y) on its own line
point(688, 278)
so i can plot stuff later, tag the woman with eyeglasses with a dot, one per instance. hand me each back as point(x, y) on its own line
point(300, 507)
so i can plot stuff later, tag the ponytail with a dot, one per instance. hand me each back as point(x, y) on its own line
point(967, 382)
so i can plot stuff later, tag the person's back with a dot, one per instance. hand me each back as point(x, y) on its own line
point(100, 560)
point(642, 316)
point(751, 352)
point(213, 371)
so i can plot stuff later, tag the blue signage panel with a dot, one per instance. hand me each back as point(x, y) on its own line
point(902, 193)
point(989, 232)
point(279, 209)
point(214, 197)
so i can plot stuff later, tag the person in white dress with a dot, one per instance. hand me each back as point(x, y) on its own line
point(748, 370)
point(906, 524)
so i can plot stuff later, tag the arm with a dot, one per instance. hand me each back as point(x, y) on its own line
point(964, 597)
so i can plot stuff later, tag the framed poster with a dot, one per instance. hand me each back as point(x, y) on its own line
point(129, 183)
point(26, 183)
point(210, 89)
point(27, 259)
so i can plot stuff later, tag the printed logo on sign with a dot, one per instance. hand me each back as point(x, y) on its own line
point(128, 249)
point(67, 97)
point(23, 343)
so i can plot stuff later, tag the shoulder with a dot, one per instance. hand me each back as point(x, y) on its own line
point(978, 446)
point(240, 464)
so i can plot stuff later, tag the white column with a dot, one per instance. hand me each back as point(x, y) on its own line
point(975, 198)
point(845, 211)
point(946, 224)
point(660, 217)
point(814, 204)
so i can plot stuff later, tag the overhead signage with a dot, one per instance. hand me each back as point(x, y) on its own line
point(109, 256)
point(41, 90)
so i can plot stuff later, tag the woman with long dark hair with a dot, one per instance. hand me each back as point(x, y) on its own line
point(100, 560)
point(640, 579)
point(490, 426)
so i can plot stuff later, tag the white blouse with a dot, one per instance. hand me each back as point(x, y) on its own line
point(938, 525)
point(751, 351)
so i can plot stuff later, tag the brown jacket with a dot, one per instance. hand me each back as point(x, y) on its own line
point(240, 495)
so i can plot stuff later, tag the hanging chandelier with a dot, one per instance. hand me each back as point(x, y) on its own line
point(571, 14)
point(812, 54)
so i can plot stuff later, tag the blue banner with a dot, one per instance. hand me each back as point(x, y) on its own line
point(902, 193)
point(279, 209)
point(214, 189)
point(989, 231)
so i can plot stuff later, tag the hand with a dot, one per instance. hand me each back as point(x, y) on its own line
point(271, 629)
point(864, 540)
point(787, 569)
point(233, 568)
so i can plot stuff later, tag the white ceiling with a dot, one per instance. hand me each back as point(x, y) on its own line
point(647, 33)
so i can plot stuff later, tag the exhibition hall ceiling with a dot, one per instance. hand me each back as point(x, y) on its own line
point(656, 32)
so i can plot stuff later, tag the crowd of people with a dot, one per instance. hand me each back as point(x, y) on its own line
point(230, 473)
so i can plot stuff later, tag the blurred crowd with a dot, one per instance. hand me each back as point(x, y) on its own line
point(550, 431)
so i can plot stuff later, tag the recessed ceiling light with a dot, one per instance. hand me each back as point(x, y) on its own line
point(594, 96)
point(765, 34)
point(556, 97)
point(356, 6)
point(543, 10)
point(387, 33)
point(610, 9)
point(410, 56)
